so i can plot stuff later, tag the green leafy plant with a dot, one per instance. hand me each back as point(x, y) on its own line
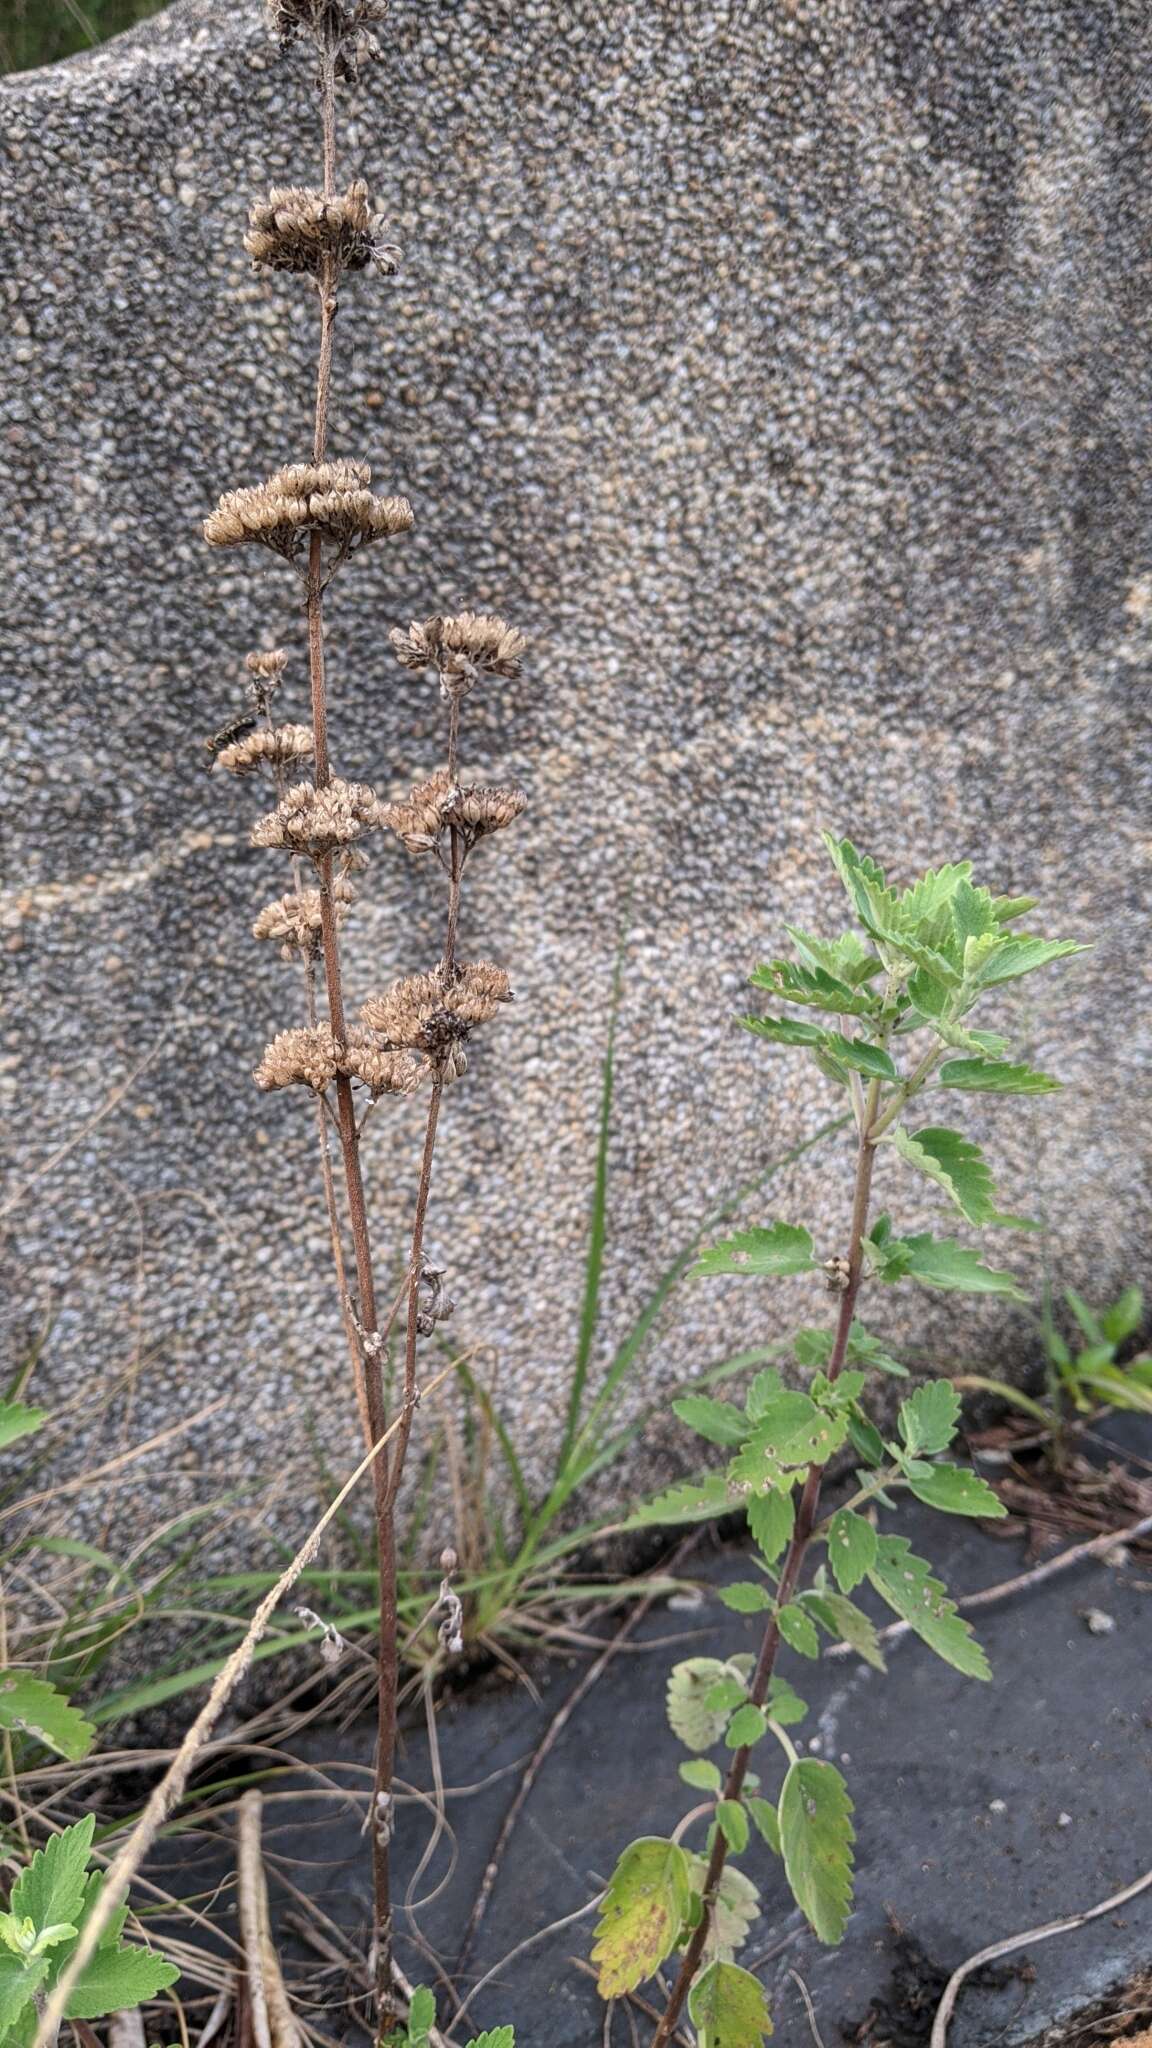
point(1087, 1370)
point(896, 997)
point(49, 1904)
point(422, 2020)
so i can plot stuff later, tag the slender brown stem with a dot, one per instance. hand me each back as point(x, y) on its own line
point(415, 1268)
point(807, 1512)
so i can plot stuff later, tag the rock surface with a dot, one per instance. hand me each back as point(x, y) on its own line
point(785, 372)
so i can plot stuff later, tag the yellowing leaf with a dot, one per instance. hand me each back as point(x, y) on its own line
point(642, 1914)
point(727, 2007)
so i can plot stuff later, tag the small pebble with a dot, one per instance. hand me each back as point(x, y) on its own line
point(1098, 1623)
point(1064, 1820)
point(998, 1806)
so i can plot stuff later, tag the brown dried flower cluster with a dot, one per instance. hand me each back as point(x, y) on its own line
point(342, 26)
point(475, 809)
point(434, 1013)
point(311, 1057)
point(471, 644)
point(332, 499)
point(293, 921)
point(317, 821)
point(269, 746)
point(296, 228)
point(270, 665)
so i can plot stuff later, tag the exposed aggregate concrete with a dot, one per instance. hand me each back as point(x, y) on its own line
point(785, 372)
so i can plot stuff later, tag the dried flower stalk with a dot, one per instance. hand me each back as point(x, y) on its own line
point(315, 515)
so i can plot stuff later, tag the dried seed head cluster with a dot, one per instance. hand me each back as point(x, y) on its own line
point(332, 499)
point(296, 228)
point(431, 807)
point(318, 821)
point(341, 26)
point(311, 1057)
point(461, 648)
point(294, 920)
point(435, 1013)
point(270, 746)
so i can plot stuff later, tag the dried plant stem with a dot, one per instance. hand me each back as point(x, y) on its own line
point(806, 1516)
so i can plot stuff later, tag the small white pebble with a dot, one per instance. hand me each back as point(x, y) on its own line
point(1098, 1623)
point(1064, 1820)
point(998, 1806)
point(1118, 1556)
point(814, 1742)
point(686, 1602)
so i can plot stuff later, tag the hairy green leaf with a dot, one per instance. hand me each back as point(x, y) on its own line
point(764, 1389)
point(771, 1517)
point(421, 2013)
point(693, 1500)
point(981, 1076)
point(814, 988)
point(16, 1421)
point(945, 1263)
point(792, 1430)
point(764, 1819)
point(846, 959)
point(746, 1597)
point(957, 1492)
point(733, 1824)
point(730, 1691)
point(51, 1887)
point(718, 1421)
point(496, 2037)
point(747, 1726)
point(692, 1720)
point(862, 1057)
point(928, 1418)
point(816, 1837)
point(851, 1548)
point(30, 1706)
point(1019, 954)
point(784, 1030)
point(727, 2007)
point(20, 1979)
point(115, 1979)
point(844, 1620)
point(784, 1705)
point(959, 1167)
point(906, 1583)
point(701, 1775)
point(781, 1249)
point(641, 1914)
point(798, 1631)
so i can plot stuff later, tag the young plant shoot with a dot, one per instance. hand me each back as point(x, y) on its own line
point(887, 1011)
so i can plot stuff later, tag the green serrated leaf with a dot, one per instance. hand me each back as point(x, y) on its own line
point(851, 1548)
point(792, 1430)
point(813, 988)
point(943, 1262)
point(736, 1907)
point(957, 1492)
point(746, 1597)
point(958, 1166)
point(1021, 954)
point(692, 1720)
point(641, 1914)
point(115, 1979)
point(701, 1775)
point(1124, 1317)
point(784, 1705)
point(51, 1887)
point(906, 1583)
point(764, 1388)
point(798, 1631)
point(496, 2037)
point(861, 1057)
point(747, 1726)
point(846, 959)
point(20, 1979)
point(928, 1418)
point(693, 1500)
point(718, 1421)
point(16, 1421)
point(784, 1030)
point(727, 2007)
point(730, 1691)
point(764, 1819)
point(733, 1824)
point(844, 1620)
point(771, 1517)
point(816, 1837)
point(30, 1706)
point(421, 2014)
point(982, 1076)
point(782, 1249)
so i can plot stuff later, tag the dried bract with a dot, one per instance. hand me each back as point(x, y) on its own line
point(342, 26)
point(307, 1056)
point(461, 648)
point(435, 1013)
point(332, 499)
point(296, 228)
point(269, 665)
point(475, 809)
point(317, 821)
point(293, 921)
point(269, 746)
point(383, 1069)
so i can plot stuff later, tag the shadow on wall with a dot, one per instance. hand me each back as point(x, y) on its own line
point(36, 32)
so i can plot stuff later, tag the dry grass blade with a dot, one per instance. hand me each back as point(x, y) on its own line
point(273, 2023)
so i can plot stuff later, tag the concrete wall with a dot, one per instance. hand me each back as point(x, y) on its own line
point(784, 371)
